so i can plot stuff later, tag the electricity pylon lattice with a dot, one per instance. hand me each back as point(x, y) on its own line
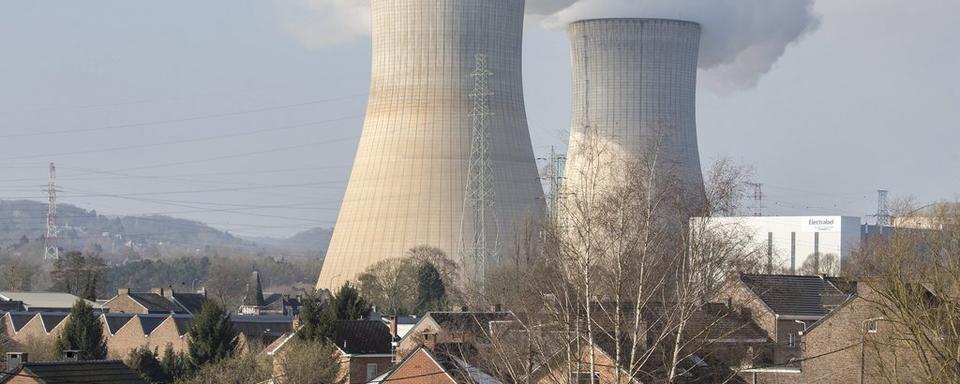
point(883, 209)
point(480, 193)
point(51, 250)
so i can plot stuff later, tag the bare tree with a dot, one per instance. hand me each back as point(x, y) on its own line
point(306, 362)
point(914, 280)
point(623, 270)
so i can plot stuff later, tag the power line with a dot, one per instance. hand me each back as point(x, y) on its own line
point(177, 142)
point(176, 120)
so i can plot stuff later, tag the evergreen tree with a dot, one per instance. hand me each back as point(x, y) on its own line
point(316, 318)
point(212, 336)
point(174, 365)
point(431, 291)
point(349, 305)
point(82, 332)
point(147, 363)
point(319, 319)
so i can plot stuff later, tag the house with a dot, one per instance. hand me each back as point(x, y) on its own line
point(124, 332)
point(257, 302)
point(863, 346)
point(22, 371)
point(44, 301)
point(423, 366)
point(437, 328)
point(157, 301)
point(363, 347)
point(714, 341)
point(785, 305)
point(260, 331)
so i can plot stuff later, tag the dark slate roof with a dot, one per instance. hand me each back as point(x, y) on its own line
point(115, 321)
point(52, 319)
point(151, 322)
point(362, 337)
point(19, 319)
point(95, 371)
point(11, 306)
point(260, 326)
point(475, 323)
point(795, 295)
point(183, 323)
point(192, 302)
point(156, 303)
point(253, 295)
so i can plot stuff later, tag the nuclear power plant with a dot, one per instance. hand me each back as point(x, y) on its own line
point(445, 157)
point(634, 91)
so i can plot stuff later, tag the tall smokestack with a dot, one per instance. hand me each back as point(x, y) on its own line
point(409, 180)
point(634, 92)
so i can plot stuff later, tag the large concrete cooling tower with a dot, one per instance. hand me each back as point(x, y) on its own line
point(409, 181)
point(634, 88)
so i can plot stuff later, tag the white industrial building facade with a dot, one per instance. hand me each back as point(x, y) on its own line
point(798, 244)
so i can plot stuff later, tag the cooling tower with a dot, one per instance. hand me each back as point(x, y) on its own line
point(634, 89)
point(409, 178)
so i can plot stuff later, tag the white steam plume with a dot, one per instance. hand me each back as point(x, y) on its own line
point(742, 39)
point(321, 23)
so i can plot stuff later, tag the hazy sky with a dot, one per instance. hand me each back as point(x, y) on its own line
point(217, 110)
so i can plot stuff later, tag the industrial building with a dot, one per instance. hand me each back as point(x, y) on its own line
point(443, 70)
point(796, 244)
point(634, 95)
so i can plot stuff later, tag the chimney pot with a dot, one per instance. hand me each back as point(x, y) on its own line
point(16, 359)
point(71, 355)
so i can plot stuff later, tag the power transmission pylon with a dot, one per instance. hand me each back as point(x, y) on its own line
point(480, 192)
point(51, 250)
point(757, 198)
point(553, 175)
point(883, 210)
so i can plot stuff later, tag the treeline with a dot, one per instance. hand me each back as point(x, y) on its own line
point(89, 275)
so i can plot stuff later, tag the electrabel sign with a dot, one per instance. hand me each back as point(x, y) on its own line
point(821, 224)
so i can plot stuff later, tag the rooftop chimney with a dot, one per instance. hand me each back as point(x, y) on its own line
point(71, 355)
point(16, 359)
point(123, 291)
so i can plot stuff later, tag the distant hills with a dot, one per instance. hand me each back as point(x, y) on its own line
point(148, 236)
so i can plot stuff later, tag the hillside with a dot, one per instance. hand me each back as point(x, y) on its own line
point(148, 236)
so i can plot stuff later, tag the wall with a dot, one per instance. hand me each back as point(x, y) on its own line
point(839, 240)
point(419, 368)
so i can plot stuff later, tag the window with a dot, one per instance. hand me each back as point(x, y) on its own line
point(873, 326)
point(792, 340)
point(371, 371)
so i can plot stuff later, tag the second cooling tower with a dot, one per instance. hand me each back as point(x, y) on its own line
point(634, 91)
point(410, 176)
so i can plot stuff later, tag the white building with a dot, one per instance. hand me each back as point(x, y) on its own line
point(798, 244)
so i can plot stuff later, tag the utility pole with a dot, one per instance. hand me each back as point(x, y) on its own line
point(757, 198)
point(480, 193)
point(51, 250)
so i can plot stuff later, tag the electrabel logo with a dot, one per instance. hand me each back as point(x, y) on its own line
point(821, 224)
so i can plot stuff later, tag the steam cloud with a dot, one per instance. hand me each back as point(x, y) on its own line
point(742, 39)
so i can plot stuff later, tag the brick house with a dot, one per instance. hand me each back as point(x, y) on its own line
point(437, 328)
point(363, 348)
point(124, 332)
point(785, 305)
point(423, 366)
point(859, 343)
point(157, 301)
point(22, 371)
